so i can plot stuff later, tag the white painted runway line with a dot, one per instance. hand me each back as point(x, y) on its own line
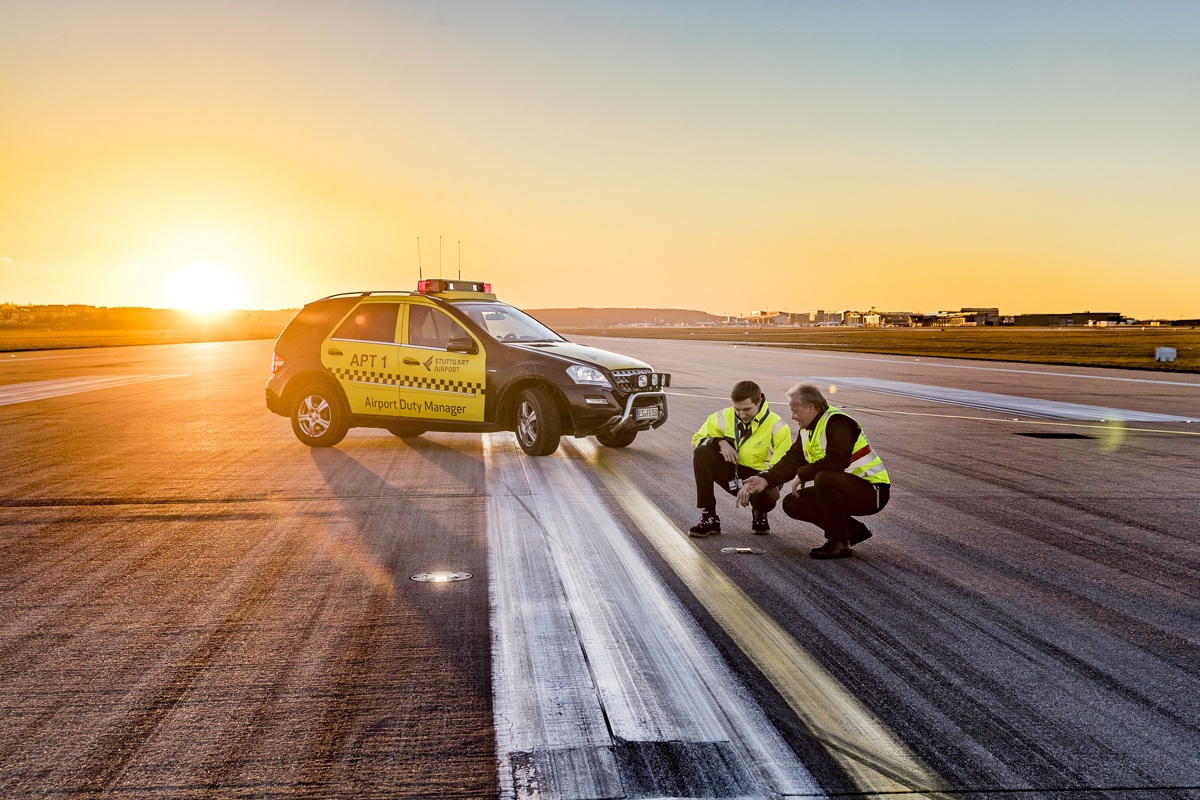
point(1003, 403)
point(42, 390)
point(870, 754)
point(603, 684)
point(13, 358)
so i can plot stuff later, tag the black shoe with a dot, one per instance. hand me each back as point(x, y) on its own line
point(709, 525)
point(858, 532)
point(832, 549)
point(760, 524)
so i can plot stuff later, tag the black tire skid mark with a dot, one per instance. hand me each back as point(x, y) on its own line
point(115, 750)
point(21, 653)
point(239, 743)
point(336, 725)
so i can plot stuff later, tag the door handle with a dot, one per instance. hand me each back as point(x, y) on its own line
point(333, 351)
point(412, 362)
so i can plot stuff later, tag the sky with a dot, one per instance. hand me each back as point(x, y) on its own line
point(728, 157)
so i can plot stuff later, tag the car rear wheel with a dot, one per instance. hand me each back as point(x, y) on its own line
point(622, 439)
point(318, 417)
point(538, 425)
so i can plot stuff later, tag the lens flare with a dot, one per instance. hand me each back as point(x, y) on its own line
point(205, 286)
point(1113, 436)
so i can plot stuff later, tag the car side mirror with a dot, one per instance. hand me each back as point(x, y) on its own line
point(461, 343)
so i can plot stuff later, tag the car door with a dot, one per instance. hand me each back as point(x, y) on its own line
point(362, 353)
point(435, 383)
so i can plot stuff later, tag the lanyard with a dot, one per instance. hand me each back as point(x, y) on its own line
point(737, 426)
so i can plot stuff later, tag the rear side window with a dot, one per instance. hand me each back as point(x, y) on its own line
point(371, 322)
point(429, 327)
point(315, 319)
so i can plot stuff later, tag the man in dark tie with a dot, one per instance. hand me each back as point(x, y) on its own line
point(732, 445)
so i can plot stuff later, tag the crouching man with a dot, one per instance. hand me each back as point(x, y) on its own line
point(735, 444)
point(839, 476)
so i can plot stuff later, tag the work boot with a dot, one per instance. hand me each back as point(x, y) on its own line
point(709, 525)
point(832, 549)
point(760, 524)
point(858, 532)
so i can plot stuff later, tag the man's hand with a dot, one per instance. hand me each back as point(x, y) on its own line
point(727, 452)
point(750, 486)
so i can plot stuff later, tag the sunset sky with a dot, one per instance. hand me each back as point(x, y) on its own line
point(1036, 156)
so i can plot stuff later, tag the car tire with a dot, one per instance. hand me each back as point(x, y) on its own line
point(406, 431)
point(318, 417)
point(538, 425)
point(622, 439)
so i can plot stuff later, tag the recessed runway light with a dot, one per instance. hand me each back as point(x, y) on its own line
point(440, 577)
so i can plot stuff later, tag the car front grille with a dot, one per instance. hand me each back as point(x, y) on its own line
point(627, 379)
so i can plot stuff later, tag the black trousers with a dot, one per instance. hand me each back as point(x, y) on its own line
point(710, 468)
point(834, 499)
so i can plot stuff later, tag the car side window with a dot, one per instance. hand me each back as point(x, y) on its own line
point(430, 327)
point(371, 322)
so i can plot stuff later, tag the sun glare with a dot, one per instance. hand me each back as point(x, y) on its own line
point(205, 287)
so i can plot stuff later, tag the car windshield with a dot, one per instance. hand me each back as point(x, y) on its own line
point(507, 324)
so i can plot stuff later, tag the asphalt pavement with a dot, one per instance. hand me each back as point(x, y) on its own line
point(194, 604)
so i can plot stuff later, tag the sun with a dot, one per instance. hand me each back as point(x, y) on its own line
point(205, 286)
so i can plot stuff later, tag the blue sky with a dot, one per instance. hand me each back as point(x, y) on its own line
point(728, 157)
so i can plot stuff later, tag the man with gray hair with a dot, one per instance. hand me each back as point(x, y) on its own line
point(839, 476)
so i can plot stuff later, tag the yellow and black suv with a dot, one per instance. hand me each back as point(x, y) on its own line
point(451, 357)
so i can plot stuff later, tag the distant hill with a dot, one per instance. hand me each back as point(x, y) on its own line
point(599, 317)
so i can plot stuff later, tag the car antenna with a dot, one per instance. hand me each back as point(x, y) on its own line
point(439, 256)
point(420, 273)
point(460, 259)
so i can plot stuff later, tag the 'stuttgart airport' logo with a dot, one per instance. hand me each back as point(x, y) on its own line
point(443, 364)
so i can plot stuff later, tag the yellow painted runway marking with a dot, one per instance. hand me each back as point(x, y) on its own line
point(871, 755)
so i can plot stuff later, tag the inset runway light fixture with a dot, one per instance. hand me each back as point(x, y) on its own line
point(440, 577)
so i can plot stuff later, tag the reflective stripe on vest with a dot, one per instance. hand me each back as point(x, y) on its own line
point(771, 447)
point(864, 461)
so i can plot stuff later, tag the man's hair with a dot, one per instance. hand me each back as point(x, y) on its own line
point(808, 394)
point(745, 390)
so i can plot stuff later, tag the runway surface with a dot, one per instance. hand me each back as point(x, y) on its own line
point(194, 604)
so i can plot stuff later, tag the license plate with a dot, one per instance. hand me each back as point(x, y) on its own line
point(645, 413)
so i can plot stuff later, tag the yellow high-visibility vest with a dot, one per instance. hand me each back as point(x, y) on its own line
point(770, 437)
point(864, 461)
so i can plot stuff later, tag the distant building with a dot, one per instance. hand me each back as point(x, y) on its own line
point(1077, 319)
point(769, 318)
point(818, 317)
point(897, 319)
point(973, 317)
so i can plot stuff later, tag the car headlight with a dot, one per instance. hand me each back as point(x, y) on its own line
point(589, 375)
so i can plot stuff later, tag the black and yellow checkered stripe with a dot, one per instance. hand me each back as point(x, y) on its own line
point(409, 381)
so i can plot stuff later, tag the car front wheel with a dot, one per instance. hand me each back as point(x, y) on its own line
point(318, 418)
point(538, 425)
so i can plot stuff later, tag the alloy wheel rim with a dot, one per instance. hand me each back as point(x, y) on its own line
point(314, 416)
point(527, 424)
